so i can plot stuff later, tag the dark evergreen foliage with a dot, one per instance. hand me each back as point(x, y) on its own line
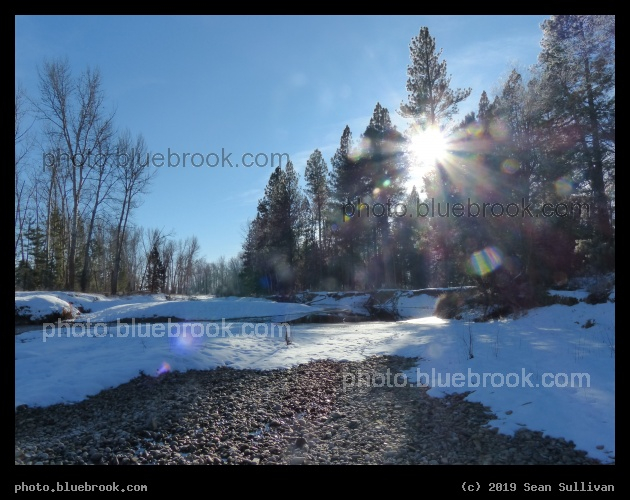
point(547, 137)
point(156, 271)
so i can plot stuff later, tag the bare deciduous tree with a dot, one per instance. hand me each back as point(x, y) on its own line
point(133, 178)
point(77, 123)
point(23, 189)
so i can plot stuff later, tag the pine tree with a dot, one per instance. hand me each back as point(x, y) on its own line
point(431, 101)
point(410, 239)
point(484, 106)
point(24, 276)
point(250, 258)
point(156, 271)
point(316, 174)
point(292, 206)
point(578, 84)
point(41, 276)
point(383, 172)
point(343, 181)
point(308, 264)
point(341, 176)
point(272, 244)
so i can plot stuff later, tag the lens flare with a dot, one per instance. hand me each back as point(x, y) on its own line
point(485, 261)
point(498, 130)
point(509, 166)
point(165, 368)
point(563, 186)
point(428, 146)
point(474, 130)
point(186, 338)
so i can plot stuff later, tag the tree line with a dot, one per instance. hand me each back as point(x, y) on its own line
point(546, 140)
point(74, 209)
point(547, 137)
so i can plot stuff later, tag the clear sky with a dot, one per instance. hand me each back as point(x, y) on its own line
point(257, 85)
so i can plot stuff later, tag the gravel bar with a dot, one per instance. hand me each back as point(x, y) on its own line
point(298, 416)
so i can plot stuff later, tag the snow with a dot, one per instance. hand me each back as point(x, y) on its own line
point(411, 305)
point(39, 305)
point(349, 302)
point(552, 369)
point(207, 309)
point(577, 294)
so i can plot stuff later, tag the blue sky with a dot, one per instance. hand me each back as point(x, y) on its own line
point(259, 85)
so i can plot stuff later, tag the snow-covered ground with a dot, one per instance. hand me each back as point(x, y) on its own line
point(552, 369)
point(345, 302)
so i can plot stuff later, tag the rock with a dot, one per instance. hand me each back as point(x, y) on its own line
point(294, 416)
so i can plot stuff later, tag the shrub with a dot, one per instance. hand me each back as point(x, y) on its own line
point(448, 305)
point(66, 313)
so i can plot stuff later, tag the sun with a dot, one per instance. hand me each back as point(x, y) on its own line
point(428, 146)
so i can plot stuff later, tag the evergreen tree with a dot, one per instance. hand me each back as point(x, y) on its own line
point(308, 261)
point(24, 276)
point(431, 101)
point(36, 270)
point(250, 275)
point(292, 205)
point(316, 174)
point(343, 181)
point(383, 171)
point(577, 64)
point(271, 247)
point(411, 243)
point(58, 235)
point(156, 271)
point(516, 164)
point(484, 106)
point(341, 176)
